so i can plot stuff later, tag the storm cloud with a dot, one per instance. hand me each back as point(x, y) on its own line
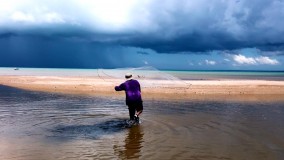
point(164, 26)
point(106, 30)
point(50, 52)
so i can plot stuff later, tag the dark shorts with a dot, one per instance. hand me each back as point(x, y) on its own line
point(137, 105)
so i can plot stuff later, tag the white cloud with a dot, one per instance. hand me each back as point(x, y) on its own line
point(208, 62)
point(38, 17)
point(19, 16)
point(107, 15)
point(266, 60)
point(243, 60)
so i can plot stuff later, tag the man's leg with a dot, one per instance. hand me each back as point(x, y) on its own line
point(131, 112)
point(139, 110)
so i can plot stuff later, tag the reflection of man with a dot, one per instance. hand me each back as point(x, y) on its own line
point(133, 144)
point(133, 97)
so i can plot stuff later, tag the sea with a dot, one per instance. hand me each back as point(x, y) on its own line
point(45, 126)
point(148, 72)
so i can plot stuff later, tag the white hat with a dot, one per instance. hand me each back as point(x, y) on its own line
point(128, 75)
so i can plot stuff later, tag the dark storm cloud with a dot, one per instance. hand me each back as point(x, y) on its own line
point(43, 51)
point(214, 25)
point(166, 26)
point(202, 26)
point(193, 43)
point(97, 33)
point(272, 47)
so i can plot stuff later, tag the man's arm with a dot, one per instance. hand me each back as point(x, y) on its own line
point(120, 87)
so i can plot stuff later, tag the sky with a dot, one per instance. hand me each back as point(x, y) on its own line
point(165, 34)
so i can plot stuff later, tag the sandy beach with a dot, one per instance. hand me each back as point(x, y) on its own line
point(251, 90)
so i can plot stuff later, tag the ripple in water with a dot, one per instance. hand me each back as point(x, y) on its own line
point(37, 125)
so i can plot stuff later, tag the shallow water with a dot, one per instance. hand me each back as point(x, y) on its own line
point(37, 125)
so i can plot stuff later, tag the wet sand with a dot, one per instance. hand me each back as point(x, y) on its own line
point(248, 90)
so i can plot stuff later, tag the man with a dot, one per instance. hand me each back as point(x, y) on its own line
point(133, 97)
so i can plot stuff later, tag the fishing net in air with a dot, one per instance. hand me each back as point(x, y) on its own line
point(149, 77)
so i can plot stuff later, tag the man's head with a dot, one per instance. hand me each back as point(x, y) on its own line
point(128, 75)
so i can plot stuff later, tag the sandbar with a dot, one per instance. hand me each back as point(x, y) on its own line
point(244, 90)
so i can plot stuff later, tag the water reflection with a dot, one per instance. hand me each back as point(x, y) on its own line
point(133, 144)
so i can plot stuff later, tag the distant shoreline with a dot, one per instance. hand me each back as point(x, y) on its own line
point(244, 90)
point(149, 73)
point(194, 70)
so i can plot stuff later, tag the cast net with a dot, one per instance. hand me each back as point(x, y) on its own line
point(149, 77)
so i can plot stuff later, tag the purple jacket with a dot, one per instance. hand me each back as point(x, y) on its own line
point(132, 90)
